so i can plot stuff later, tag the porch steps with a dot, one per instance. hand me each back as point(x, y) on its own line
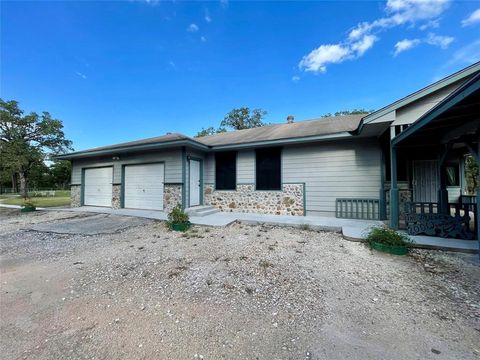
point(201, 211)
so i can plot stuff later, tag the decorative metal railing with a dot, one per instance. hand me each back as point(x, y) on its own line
point(425, 218)
point(365, 209)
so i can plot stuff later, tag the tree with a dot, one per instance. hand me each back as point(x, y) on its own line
point(237, 119)
point(60, 173)
point(27, 140)
point(349, 112)
point(243, 118)
point(471, 174)
point(210, 131)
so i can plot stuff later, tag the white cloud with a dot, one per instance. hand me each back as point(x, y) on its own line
point(437, 40)
point(193, 28)
point(361, 46)
point(473, 18)
point(316, 61)
point(224, 3)
point(363, 36)
point(207, 16)
point(402, 12)
point(432, 39)
point(83, 76)
point(405, 44)
point(295, 78)
point(318, 58)
point(172, 64)
point(203, 39)
point(468, 54)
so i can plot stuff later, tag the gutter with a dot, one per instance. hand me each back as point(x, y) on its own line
point(134, 148)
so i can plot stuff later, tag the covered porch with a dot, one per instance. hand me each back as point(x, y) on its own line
point(426, 191)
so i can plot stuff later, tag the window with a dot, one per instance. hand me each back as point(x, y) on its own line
point(226, 170)
point(453, 178)
point(268, 169)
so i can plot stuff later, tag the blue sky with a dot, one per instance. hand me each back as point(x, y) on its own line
point(118, 71)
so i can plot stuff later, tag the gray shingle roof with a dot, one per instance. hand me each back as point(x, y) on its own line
point(301, 129)
point(316, 127)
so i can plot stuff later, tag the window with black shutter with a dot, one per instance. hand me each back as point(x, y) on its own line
point(226, 170)
point(268, 169)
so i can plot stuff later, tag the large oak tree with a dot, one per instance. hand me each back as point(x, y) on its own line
point(27, 140)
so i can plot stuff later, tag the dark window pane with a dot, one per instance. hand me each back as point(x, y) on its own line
point(453, 178)
point(225, 170)
point(268, 169)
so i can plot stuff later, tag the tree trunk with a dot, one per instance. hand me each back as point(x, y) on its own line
point(14, 183)
point(23, 184)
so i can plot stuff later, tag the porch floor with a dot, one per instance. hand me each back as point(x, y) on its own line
point(351, 229)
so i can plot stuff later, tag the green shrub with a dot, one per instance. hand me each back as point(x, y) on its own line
point(177, 216)
point(28, 203)
point(387, 236)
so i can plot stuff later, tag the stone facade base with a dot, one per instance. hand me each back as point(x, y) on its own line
point(116, 196)
point(172, 196)
point(289, 201)
point(75, 195)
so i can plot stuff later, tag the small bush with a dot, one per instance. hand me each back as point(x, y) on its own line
point(387, 236)
point(28, 203)
point(177, 216)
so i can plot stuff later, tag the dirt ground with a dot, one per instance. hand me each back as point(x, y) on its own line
point(239, 292)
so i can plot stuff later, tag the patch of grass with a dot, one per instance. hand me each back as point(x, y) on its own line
point(305, 227)
point(265, 264)
point(387, 236)
point(53, 201)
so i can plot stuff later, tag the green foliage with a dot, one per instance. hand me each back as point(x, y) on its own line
point(243, 118)
point(237, 119)
point(349, 112)
point(28, 203)
point(471, 174)
point(210, 131)
point(387, 236)
point(177, 216)
point(28, 140)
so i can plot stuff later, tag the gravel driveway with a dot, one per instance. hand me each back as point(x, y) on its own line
point(239, 292)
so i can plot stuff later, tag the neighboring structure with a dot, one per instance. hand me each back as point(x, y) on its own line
point(346, 166)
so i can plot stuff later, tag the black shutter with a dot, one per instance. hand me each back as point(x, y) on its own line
point(268, 169)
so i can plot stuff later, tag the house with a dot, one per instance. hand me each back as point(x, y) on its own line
point(405, 158)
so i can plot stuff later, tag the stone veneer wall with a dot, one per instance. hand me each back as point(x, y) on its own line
point(289, 201)
point(172, 196)
point(116, 196)
point(75, 195)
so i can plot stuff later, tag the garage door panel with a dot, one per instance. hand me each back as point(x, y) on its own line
point(98, 187)
point(144, 186)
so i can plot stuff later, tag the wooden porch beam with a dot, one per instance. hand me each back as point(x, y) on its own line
point(469, 128)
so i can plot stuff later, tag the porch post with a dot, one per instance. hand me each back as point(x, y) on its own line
point(382, 195)
point(442, 191)
point(394, 203)
point(477, 215)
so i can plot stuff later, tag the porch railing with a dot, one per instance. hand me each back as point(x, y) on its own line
point(459, 222)
point(365, 209)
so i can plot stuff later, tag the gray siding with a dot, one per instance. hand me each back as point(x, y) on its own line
point(246, 167)
point(209, 169)
point(172, 159)
point(349, 169)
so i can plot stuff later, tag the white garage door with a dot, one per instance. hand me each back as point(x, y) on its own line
point(98, 187)
point(144, 186)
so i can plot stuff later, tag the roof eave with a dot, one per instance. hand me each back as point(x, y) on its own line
point(470, 70)
point(134, 148)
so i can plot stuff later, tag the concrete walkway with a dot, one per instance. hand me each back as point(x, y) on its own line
point(351, 229)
